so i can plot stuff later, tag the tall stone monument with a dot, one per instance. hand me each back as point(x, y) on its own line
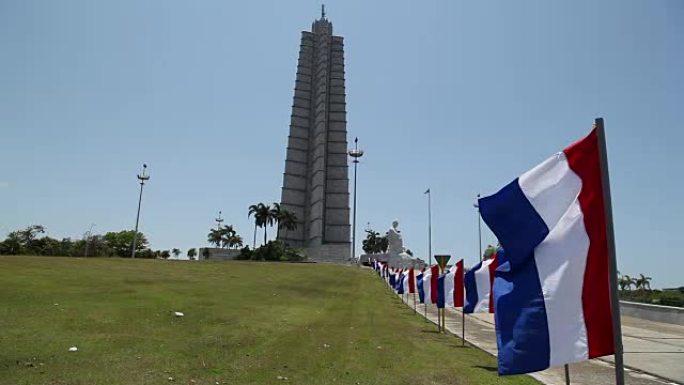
point(316, 182)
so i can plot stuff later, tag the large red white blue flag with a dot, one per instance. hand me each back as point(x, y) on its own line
point(552, 290)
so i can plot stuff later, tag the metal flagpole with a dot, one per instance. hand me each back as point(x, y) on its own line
point(462, 327)
point(479, 225)
point(429, 226)
point(444, 320)
point(612, 260)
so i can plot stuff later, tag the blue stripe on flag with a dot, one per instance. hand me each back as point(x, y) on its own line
point(470, 289)
point(421, 293)
point(522, 331)
point(440, 291)
point(517, 225)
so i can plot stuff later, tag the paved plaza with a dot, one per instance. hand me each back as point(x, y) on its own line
point(654, 352)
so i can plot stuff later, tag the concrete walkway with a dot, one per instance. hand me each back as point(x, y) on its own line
point(654, 352)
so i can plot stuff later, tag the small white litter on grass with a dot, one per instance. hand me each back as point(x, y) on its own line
point(73, 349)
point(179, 314)
point(326, 346)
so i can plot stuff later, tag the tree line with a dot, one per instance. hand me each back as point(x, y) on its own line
point(33, 241)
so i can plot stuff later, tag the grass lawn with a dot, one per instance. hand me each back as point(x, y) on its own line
point(245, 323)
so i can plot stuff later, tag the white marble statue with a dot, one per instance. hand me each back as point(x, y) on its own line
point(397, 253)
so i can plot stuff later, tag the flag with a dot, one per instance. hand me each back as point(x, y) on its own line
point(456, 294)
point(478, 287)
point(411, 281)
point(427, 191)
point(419, 284)
point(449, 285)
point(434, 277)
point(405, 281)
point(427, 286)
point(392, 279)
point(397, 280)
point(400, 283)
point(440, 291)
point(552, 290)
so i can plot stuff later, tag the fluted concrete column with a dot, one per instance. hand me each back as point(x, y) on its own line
point(316, 181)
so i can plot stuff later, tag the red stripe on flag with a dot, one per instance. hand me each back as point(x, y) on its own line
point(583, 158)
point(458, 284)
point(492, 269)
point(433, 283)
point(412, 281)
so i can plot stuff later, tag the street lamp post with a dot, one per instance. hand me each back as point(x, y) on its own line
point(89, 234)
point(479, 225)
point(355, 154)
point(219, 220)
point(429, 194)
point(142, 178)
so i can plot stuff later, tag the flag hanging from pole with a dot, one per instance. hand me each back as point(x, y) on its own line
point(478, 283)
point(419, 284)
point(457, 293)
point(552, 290)
point(434, 278)
point(411, 281)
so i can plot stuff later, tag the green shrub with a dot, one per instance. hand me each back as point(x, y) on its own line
point(272, 251)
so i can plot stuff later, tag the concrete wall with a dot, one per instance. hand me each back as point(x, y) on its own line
point(657, 313)
point(218, 254)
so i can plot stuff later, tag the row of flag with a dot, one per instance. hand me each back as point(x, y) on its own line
point(454, 287)
point(548, 284)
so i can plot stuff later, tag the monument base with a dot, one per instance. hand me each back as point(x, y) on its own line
point(329, 252)
point(394, 261)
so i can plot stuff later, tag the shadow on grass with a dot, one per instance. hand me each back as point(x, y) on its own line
point(430, 331)
point(487, 368)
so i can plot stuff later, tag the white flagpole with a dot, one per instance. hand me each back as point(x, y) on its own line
point(612, 260)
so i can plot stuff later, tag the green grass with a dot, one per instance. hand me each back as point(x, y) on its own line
point(245, 323)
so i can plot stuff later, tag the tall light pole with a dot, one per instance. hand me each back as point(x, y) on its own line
point(142, 178)
point(89, 234)
point(429, 194)
point(479, 224)
point(355, 154)
point(218, 220)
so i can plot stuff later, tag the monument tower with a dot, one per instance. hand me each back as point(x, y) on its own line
point(316, 183)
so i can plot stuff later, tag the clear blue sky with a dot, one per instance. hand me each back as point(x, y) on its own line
point(457, 96)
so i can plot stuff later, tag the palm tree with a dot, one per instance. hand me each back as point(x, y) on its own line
point(643, 283)
point(265, 218)
point(253, 209)
point(235, 241)
point(214, 237)
point(287, 220)
point(192, 253)
point(175, 253)
point(227, 233)
point(624, 282)
point(629, 281)
point(275, 213)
